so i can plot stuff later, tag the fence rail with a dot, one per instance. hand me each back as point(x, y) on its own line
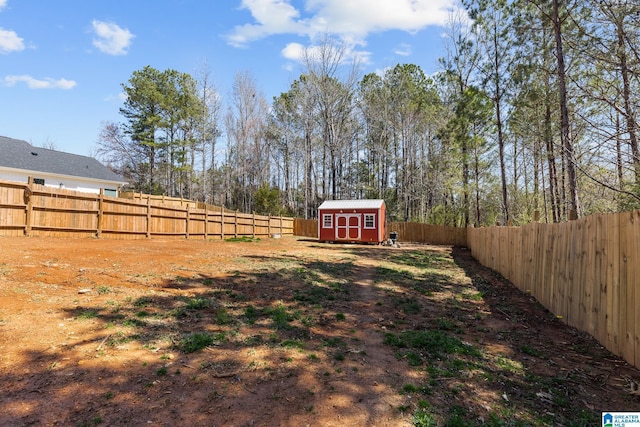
point(586, 271)
point(36, 210)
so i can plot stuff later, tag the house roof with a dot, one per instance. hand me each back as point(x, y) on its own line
point(352, 204)
point(19, 154)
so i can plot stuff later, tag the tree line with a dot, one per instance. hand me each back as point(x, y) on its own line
point(534, 112)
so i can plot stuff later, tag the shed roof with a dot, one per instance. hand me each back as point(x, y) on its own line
point(352, 204)
point(19, 154)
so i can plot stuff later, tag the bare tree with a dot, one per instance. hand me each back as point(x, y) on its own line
point(209, 130)
point(332, 92)
point(248, 151)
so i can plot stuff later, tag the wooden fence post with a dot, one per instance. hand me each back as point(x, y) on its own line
point(221, 222)
point(253, 224)
point(269, 226)
point(28, 191)
point(148, 216)
point(206, 221)
point(187, 220)
point(235, 225)
point(99, 225)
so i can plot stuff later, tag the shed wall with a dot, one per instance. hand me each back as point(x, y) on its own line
point(349, 225)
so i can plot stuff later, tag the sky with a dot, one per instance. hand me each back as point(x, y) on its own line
point(63, 62)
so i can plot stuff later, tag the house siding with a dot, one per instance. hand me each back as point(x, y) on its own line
point(56, 181)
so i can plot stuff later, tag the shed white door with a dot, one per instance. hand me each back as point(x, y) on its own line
point(348, 226)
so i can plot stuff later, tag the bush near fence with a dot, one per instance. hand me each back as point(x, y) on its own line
point(36, 210)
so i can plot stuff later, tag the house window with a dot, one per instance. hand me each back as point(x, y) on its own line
point(39, 181)
point(327, 221)
point(369, 220)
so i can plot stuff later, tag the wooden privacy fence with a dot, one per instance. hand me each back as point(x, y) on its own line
point(36, 210)
point(305, 227)
point(159, 199)
point(407, 232)
point(586, 271)
point(428, 233)
point(170, 201)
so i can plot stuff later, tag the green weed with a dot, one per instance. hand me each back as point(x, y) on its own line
point(280, 316)
point(197, 303)
point(434, 342)
point(103, 290)
point(245, 239)
point(196, 341)
point(251, 314)
point(222, 316)
point(292, 344)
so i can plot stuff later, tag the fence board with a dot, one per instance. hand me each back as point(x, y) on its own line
point(626, 276)
point(13, 210)
point(635, 283)
point(586, 271)
point(35, 210)
point(612, 276)
point(590, 301)
point(574, 290)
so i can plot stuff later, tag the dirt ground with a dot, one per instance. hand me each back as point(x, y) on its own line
point(285, 332)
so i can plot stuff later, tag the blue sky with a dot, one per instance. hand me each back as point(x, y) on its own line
point(62, 62)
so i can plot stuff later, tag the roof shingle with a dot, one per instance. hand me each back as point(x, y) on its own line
point(19, 154)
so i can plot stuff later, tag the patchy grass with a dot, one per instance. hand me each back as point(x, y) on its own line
point(196, 341)
point(243, 239)
point(297, 328)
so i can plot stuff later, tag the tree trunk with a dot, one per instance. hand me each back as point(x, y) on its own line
point(626, 94)
point(498, 99)
point(567, 143)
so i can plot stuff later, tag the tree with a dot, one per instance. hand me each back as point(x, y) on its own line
point(492, 20)
point(459, 65)
point(142, 109)
point(333, 101)
point(209, 130)
point(161, 111)
point(248, 151)
point(123, 155)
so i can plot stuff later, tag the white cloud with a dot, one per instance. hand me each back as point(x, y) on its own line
point(110, 38)
point(353, 20)
point(33, 83)
point(403, 50)
point(120, 97)
point(293, 51)
point(3, 3)
point(297, 52)
point(271, 16)
point(10, 42)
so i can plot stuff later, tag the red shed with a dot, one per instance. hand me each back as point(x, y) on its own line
point(352, 221)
